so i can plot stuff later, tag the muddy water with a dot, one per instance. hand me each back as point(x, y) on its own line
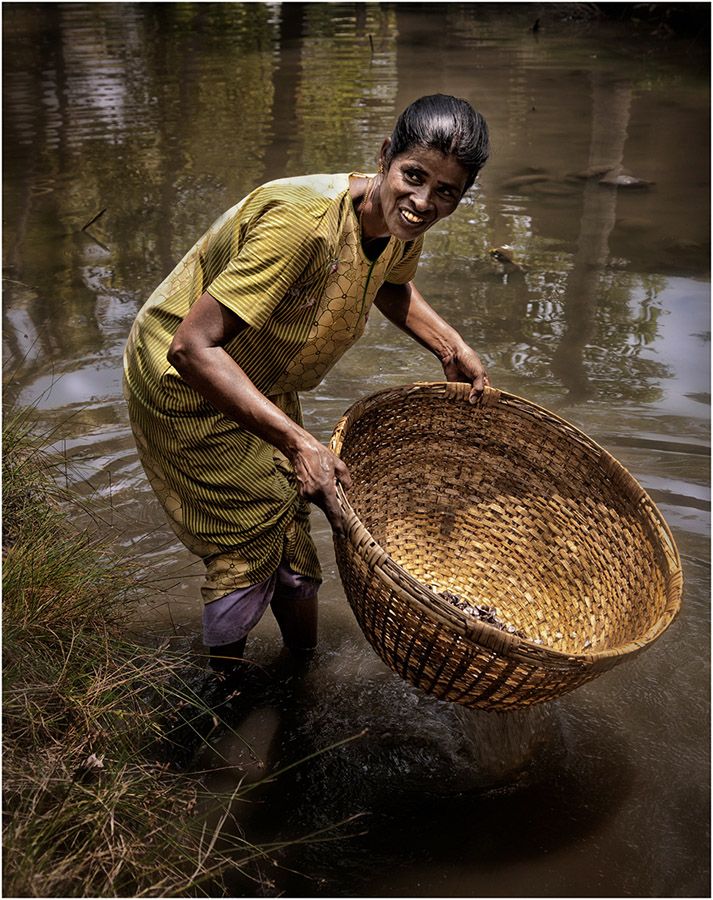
point(159, 117)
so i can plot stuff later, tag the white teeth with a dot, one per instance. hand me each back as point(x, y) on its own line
point(411, 217)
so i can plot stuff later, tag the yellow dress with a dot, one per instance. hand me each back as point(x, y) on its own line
point(288, 260)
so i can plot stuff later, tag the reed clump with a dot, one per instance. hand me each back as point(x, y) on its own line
point(92, 803)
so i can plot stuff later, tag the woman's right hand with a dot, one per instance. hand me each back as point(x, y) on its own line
point(317, 470)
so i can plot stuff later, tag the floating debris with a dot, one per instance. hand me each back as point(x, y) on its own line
point(624, 181)
point(505, 256)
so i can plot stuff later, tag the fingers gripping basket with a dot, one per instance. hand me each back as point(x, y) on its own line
point(504, 505)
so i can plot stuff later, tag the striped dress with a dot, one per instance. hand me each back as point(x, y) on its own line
point(287, 260)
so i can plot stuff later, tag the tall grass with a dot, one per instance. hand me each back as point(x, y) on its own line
point(92, 805)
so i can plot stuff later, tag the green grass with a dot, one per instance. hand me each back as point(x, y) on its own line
point(92, 804)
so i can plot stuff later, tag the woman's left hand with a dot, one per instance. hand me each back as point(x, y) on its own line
point(465, 365)
point(406, 307)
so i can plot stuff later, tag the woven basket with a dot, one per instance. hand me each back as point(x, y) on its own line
point(503, 505)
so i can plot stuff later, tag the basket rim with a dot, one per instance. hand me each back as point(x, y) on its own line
point(474, 630)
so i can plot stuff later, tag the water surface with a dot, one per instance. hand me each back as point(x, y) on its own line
point(153, 119)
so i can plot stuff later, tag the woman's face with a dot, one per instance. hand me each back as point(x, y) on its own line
point(420, 187)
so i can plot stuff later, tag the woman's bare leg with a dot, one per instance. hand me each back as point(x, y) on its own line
point(297, 620)
point(226, 657)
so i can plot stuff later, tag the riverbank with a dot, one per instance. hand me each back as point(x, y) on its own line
point(93, 802)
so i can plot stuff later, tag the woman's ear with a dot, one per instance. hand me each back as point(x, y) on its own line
point(383, 154)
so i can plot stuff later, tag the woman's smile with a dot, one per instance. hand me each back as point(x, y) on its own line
point(412, 217)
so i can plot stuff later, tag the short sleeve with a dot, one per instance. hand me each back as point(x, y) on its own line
point(404, 269)
point(271, 255)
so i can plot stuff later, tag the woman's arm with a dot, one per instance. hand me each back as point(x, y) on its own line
point(404, 305)
point(197, 353)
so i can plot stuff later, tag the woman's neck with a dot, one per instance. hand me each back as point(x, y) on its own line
point(365, 198)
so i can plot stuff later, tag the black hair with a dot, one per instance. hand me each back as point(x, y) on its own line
point(444, 123)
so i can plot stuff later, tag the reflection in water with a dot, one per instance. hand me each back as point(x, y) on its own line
point(163, 115)
point(339, 94)
point(610, 116)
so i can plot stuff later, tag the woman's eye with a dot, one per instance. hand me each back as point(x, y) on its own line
point(413, 176)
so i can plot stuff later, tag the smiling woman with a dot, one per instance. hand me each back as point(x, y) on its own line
point(439, 145)
point(260, 308)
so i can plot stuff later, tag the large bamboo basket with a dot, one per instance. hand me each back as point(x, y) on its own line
point(505, 505)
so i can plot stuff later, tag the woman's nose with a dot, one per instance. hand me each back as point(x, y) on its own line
point(422, 198)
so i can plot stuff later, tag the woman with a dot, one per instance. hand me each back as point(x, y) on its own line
point(260, 308)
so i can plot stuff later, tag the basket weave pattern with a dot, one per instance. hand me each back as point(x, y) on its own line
point(505, 505)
